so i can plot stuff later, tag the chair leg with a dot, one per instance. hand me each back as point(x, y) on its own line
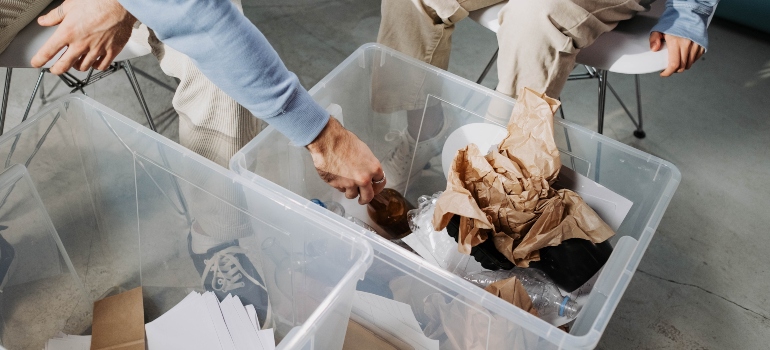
point(488, 67)
point(602, 99)
point(126, 65)
point(4, 105)
point(639, 132)
point(34, 92)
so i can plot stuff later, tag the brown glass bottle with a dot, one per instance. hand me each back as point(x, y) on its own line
point(388, 209)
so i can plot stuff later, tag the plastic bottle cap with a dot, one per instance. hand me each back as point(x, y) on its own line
point(562, 306)
point(318, 201)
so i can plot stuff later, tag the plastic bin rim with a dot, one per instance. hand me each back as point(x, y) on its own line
point(471, 85)
point(589, 339)
point(463, 287)
point(354, 273)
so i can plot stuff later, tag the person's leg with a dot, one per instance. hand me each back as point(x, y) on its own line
point(211, 124)
point(421, 29)
point(215, 126)
point(539, 40)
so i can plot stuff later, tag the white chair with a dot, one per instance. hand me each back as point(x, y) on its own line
point(625, 50)
point(24, 46)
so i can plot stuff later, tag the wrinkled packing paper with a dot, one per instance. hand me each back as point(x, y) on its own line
point(460, 324)
point(507, 195)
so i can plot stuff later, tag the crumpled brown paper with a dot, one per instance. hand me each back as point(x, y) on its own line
point(463, 324)
point(507, 195)
point(512, 291)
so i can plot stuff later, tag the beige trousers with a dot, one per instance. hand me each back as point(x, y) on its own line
point(211, 123)
point(538, 39)
point(215, 126)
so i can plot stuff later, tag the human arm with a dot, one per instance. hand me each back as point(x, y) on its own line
point(236, 57)
point(683, 26)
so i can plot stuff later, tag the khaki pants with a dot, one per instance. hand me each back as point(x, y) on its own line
point(213, 125)
point(538, 39)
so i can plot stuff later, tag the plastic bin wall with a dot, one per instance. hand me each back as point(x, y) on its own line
point(479, 319)
point(121, 199)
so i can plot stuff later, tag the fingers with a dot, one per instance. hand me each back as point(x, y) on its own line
point(695, 53)
point(53, 17)
point(366, 193)
point(684, 55)
point(106, 60)
point(67, 60)
point(674, 60)
point(87, 61)
point(377, 187)
point(692, 55)
point(351, 192)
point(656, 41)
point(51, 47)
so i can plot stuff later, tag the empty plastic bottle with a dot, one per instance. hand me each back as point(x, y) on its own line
point(332, 206)
point(338, 209)
point(546, 297)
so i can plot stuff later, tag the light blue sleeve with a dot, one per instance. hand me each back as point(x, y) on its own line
point(235, 56)
point(687, 19)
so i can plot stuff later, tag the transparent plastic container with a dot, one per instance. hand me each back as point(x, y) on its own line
point(96, 204)
point(402, 276)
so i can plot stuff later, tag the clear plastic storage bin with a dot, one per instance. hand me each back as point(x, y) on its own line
point(92, 203)
point(368, 80)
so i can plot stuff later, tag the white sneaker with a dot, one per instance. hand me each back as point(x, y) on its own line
point(409, 157)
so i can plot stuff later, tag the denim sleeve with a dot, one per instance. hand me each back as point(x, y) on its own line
point(687, 19)
point(232, 53)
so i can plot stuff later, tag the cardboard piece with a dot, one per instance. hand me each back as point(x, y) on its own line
point(360, 337)
point(119, 322)
point(507, 196)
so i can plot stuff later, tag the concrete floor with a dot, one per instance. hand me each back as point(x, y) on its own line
point(703, 282)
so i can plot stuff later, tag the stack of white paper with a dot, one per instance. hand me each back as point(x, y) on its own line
point(200, 321)
point(69, 342)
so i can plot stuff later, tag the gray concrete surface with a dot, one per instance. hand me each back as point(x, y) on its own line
point(703, 282)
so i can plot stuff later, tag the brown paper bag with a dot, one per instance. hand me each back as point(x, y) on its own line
point(507, 195)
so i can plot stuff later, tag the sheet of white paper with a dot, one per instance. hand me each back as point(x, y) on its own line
point(186, 326)
point(610, 206)
point(246, 320)
point(253, 316)
point(267, 338)
point(69, 342)
point(243, 333)
point(212, 305)
point(393, 317)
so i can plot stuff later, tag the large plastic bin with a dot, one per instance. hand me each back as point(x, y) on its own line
point(95, 203)
point(644, 179)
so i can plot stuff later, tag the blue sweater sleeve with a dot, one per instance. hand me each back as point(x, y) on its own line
point(235, 56)
point(687, 19)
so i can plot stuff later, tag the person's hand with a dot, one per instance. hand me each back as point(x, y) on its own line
point(346, 163)
point(94, 32)
point(682, 53)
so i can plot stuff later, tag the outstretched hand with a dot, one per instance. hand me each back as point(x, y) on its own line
point(682, 53)
point(94, 32)
point(346, 163)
